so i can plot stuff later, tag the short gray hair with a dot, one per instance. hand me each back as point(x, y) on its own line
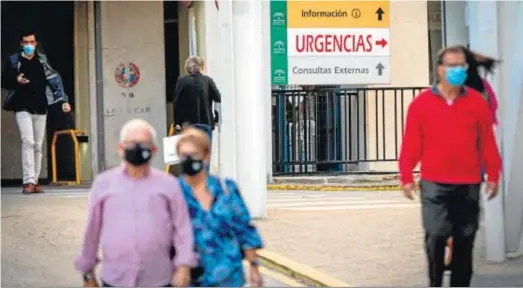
point(193, 64)
point(135, 124)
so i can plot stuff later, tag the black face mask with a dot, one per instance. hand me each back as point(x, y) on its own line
point(191, 166)
point(138, 155)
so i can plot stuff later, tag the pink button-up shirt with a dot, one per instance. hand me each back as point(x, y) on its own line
point(135, 222)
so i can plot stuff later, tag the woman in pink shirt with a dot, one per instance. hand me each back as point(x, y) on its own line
point(476, 61)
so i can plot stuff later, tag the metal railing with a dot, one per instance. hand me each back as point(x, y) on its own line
point(332, 130)
point(75, 135)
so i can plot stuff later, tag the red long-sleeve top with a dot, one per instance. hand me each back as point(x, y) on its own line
point(453, 140)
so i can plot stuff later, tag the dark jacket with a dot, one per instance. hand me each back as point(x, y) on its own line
point(193, 97)
point(55, 92)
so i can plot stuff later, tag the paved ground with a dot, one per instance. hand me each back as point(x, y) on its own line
point(41, 236)
point(336, 201)
point(353, 237)
point(355, 180)
point(362, 238)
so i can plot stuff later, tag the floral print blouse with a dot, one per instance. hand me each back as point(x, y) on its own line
point(221, 233)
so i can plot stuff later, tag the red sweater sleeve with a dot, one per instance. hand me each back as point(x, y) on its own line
point(410, 153)
point(493, 101)
point(487, 144)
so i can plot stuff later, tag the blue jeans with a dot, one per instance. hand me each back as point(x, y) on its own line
point(207, 129)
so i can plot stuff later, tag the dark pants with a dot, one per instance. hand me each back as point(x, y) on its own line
point(450, 210)
point(107, 285)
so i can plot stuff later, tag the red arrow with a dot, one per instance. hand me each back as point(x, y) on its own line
point(382, 42)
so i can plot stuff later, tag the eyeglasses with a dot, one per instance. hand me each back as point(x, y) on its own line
point(455, 65)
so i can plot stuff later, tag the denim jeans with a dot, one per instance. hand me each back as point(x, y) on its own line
point(207, 129)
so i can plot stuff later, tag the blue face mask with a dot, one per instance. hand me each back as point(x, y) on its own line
point(456, 76)
point(29, 49)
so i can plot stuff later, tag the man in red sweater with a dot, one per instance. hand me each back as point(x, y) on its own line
point(449, 130)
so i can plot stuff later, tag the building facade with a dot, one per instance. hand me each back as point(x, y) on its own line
point(127, 56)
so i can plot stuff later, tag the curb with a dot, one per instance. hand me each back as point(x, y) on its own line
point(308, 275)
point(514, 255)
point(283, 278)
point(333, 188)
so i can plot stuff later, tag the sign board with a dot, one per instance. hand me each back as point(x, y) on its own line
point(330, 42)
point(127, 75)
point(435, 21)
point(170, 157)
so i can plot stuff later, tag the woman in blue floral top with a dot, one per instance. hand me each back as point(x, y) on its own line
point(222, 226)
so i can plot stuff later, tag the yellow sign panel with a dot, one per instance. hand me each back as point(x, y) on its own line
point(338, 14)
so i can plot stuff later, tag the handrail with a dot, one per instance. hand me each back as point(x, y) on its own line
point(73, 134)
point(334, 130)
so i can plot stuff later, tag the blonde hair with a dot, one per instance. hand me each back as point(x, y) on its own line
point(193, 64)
point(195, 136)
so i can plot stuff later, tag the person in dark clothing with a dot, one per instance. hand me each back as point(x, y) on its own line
point(193, 98)
point(33, 85)
point(31, 94)
point(449, 130)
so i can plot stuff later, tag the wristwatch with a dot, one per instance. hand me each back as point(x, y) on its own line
point(255, 262)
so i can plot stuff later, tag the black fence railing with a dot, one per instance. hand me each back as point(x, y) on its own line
point(330, 130)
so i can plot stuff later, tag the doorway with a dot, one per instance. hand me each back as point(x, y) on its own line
point(172, 57)
point(53, 24)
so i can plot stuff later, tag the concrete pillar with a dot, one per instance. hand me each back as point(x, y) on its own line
point(511, 24)
point(225, 81)
point(193, 36)
point(208, 35)
point(81, 81)
point(266, 87)
point(249, 104)
point(94, 115)
point(483, 35)
point(128, 44)
point(455, 29)
point(183, 35)
point(81, 65)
